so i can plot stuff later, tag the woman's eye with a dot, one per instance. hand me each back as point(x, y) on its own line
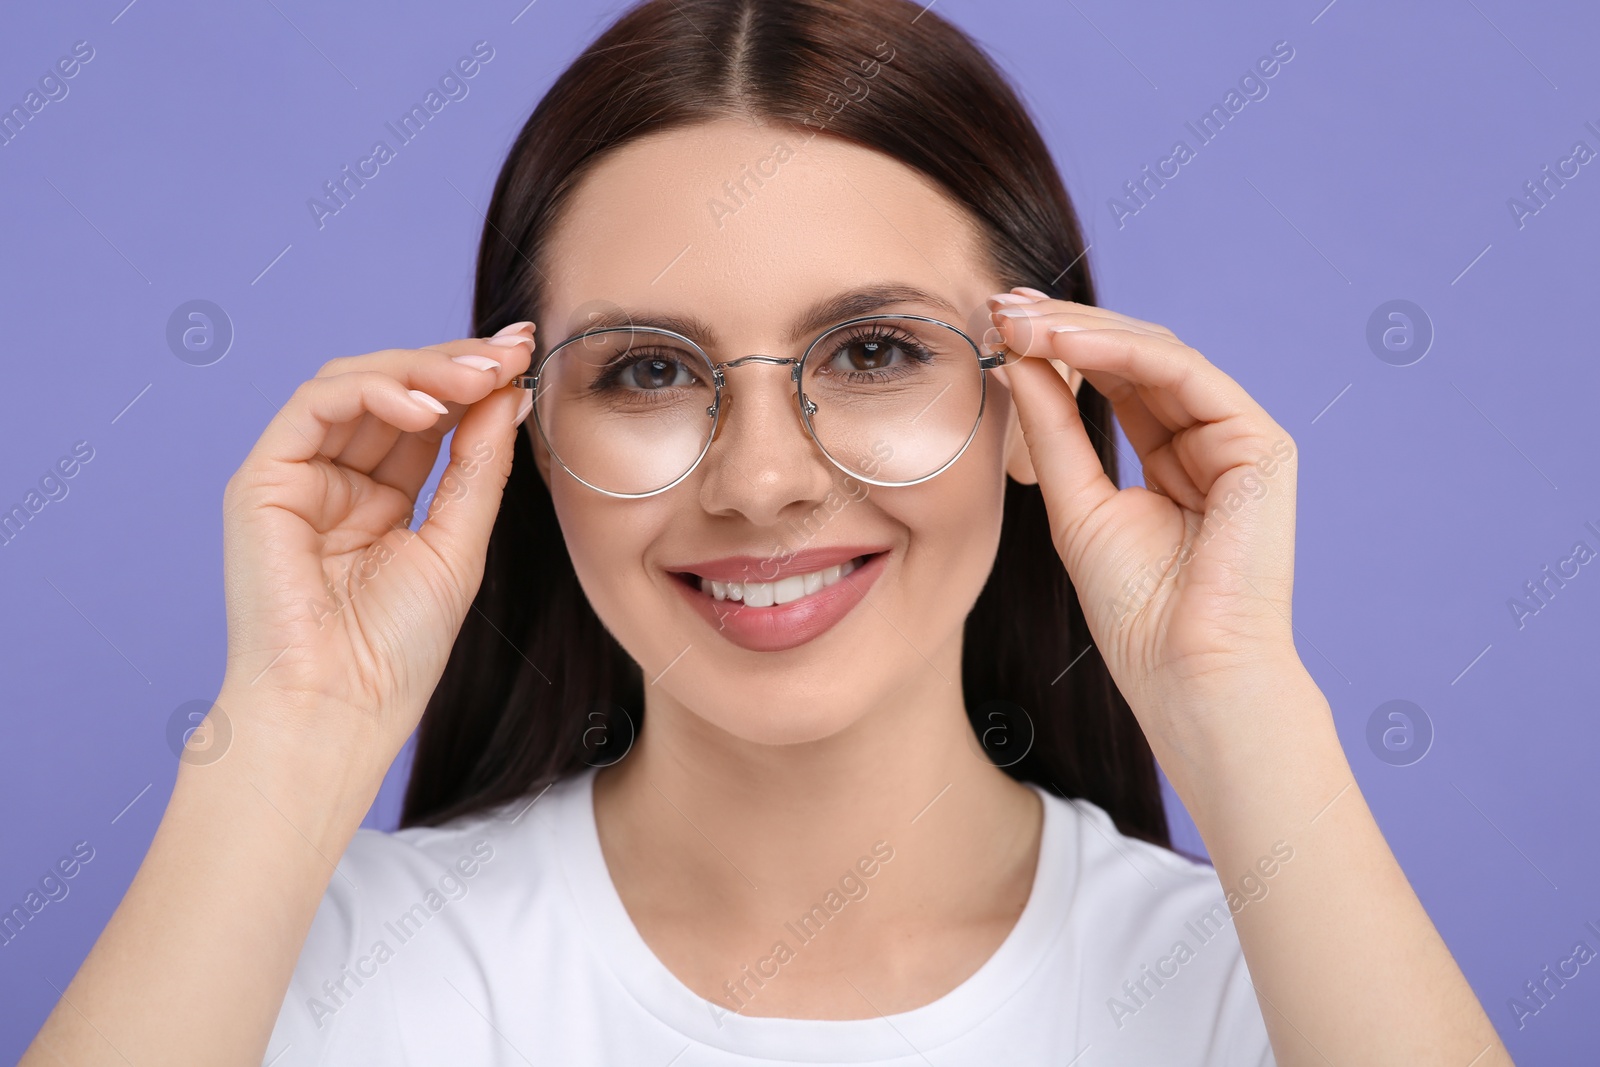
point(867, 354)
point(649, 374)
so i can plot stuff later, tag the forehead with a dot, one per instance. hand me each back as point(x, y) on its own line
point(748, 226)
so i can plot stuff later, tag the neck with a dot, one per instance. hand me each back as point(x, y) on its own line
point(732, 838)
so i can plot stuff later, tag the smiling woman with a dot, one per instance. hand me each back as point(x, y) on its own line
point(658, 561)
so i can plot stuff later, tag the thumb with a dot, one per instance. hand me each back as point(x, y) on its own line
point(1071, 478)
point(462, 513)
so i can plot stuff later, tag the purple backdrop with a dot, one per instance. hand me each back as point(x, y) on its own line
point(1344, 238)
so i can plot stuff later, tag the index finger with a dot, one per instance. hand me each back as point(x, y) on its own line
point(1097, 310)
point(401, 390)
point(363, 443)
point(1182, 386)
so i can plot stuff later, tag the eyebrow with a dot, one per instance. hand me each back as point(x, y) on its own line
point(826, 312)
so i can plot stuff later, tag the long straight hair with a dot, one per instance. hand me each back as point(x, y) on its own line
point(536, 688)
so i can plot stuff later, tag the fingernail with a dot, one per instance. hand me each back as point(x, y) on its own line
point(510, 340)
point(1036, 294)
point(427, 401)
point(1022, 311)
point(1009, 298)
point(513, 328)
point(524, 407)
point(478, 362)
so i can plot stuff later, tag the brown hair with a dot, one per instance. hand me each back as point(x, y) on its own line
point(536, 688)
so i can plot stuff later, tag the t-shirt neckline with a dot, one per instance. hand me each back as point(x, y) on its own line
point(658, 991)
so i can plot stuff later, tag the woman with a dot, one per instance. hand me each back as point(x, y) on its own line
point(756, 689)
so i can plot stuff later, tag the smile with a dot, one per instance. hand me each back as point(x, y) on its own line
point(782, 591)
point(784, 613)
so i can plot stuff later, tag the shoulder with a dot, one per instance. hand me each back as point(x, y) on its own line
point(509, 848)
point(1109, 860)
point(472, 873)
point(1151, 933)
point(380, 862)
point(418, 901)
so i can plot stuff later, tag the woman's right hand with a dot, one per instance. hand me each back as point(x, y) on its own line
point(340, 617)
point(340, 621)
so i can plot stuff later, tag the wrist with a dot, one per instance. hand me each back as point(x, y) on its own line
point(353, 740)
point(300, 805)
point(318, 772)
point(1248, 737)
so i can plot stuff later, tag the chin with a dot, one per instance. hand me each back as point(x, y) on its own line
point(756, 718)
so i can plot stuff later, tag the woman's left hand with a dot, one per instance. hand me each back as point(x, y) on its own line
point(1185, 581)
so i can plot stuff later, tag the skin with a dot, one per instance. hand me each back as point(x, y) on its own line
point(739, 742)
point(761, 777)
point(769, 798)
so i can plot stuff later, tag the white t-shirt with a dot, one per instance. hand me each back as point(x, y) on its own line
point(500, 939)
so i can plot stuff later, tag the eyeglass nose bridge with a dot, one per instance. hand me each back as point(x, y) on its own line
point(793, 362)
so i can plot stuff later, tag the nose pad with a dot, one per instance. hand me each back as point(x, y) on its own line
point(769, 462)
point(726, 411)
point(729, 395)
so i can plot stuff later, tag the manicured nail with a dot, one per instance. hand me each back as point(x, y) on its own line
point(478, 362)
point(1009, 298)
point(1023, 311)
point(1036, 294)
point(524, 407)
point(510, 340)
point(513, 328)
point(427, 401)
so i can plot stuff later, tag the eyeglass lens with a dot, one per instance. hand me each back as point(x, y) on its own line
point(632, 410)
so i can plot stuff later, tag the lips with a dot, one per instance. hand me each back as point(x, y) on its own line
point(769, 568)
point(780, 627)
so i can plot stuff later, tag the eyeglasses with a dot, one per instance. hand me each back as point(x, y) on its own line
point(630, 411)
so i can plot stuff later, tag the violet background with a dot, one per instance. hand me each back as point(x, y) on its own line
point(1378, 167)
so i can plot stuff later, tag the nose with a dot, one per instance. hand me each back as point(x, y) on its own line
point(762, 465)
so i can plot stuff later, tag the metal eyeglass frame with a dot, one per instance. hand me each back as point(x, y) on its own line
point(797, 367)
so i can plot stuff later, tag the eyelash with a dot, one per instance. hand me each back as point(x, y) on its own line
point(913, 351)
point(612, 371)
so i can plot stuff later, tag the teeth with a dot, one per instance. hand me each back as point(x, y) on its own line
point(782, 591)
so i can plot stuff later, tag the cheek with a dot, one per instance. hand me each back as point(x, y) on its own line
point(954, 522)
point(607, 540)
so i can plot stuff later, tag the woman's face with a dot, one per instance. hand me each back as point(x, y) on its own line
point(654, 231)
